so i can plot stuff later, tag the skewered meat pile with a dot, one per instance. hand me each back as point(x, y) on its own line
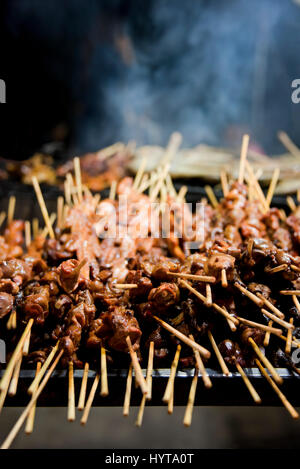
point(71, 285)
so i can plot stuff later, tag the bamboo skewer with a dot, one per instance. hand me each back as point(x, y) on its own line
point(60, 211)
point(127, 396)
point(2, 218)
point(190, 405)
point(224, 312)
point(27, 233)
point(208, 295)
point(170, 384)
point(221, 360)
point(139, 174)
point(244, 150)
point(52, 220)
point(263, 327)
point(71, 394)
point(290, 292)
point(224, 281)
point(35, 227)
point(137, 367)
point(104, 384)
point(265, 361)
point(291, 203)
point(6, 377)
point(90, 400)
point(277, 269)
point(113, 190)
point(183, 337)
point(13, 433)
point(211, 195)
point(43, 206)
point(249, 294)
point(272, 186)
point(12, 390)
point(200, 365)
point(3, 393)
point(199, 278)
point(280, 394)
point(81, 401)
point(31, 416)
point(288, 345)
point(288, 143)
point(296, 302)
point(34, 385)
point(248, 384)
point(270, 305)
point(78, 178)
point(268, 335)
point(11, 209)
point(140, 415)
point(224, 183)
point(279, 321)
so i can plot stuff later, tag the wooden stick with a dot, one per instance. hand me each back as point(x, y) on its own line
point(248, 384)
point(277, 269)
point(71, 394)
point(257, 188)
point(200, 365)
point(172, 147)
point(52, 220)
point(288, 143)
point(104, 384)
point(272, 186)
point(279, 321)
point(42, 206)
point(268, 335)
point(294, 342)
point(113, 190)
point(265, 361)
point(190, 405)
point(35, 227)
point(290, 292)
point(12, 390)
point(125, 286)
point(34, 385)
point(126, 404)
point(11, 209)
point(78, 177)
point(60, 211)
point(15, 356)
point(288, 345)
point(199, 278)
point(211, 195)
point(159, 183)
point(224, 183)
point(90, 400)
point(139, 419)
point(224, 281)
point(171, 404)
point(258, 325)
point(291, 203)
point(170, 384)
point(14, 431)
point(221, 360)
point(3, 393)
point(208, 295)
point(270, 305)
point(244, 151)
point(225, 313)
point(249, 294)
point(31, 416)
point(81, 401)
point(181, 194)
point(296, 302)
point(137, 367)
point(203, 351)
point(139, 174)
point(193, 290)
point(280, 394)
point(2, 218)
point(231, 325)
point(27, 233)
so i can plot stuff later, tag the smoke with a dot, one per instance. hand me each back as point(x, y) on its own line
point(140, 70)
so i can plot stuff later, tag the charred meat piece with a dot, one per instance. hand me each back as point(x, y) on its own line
point(164, 296)
point(6, 304)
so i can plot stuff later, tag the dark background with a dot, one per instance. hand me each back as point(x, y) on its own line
point(91, 72)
